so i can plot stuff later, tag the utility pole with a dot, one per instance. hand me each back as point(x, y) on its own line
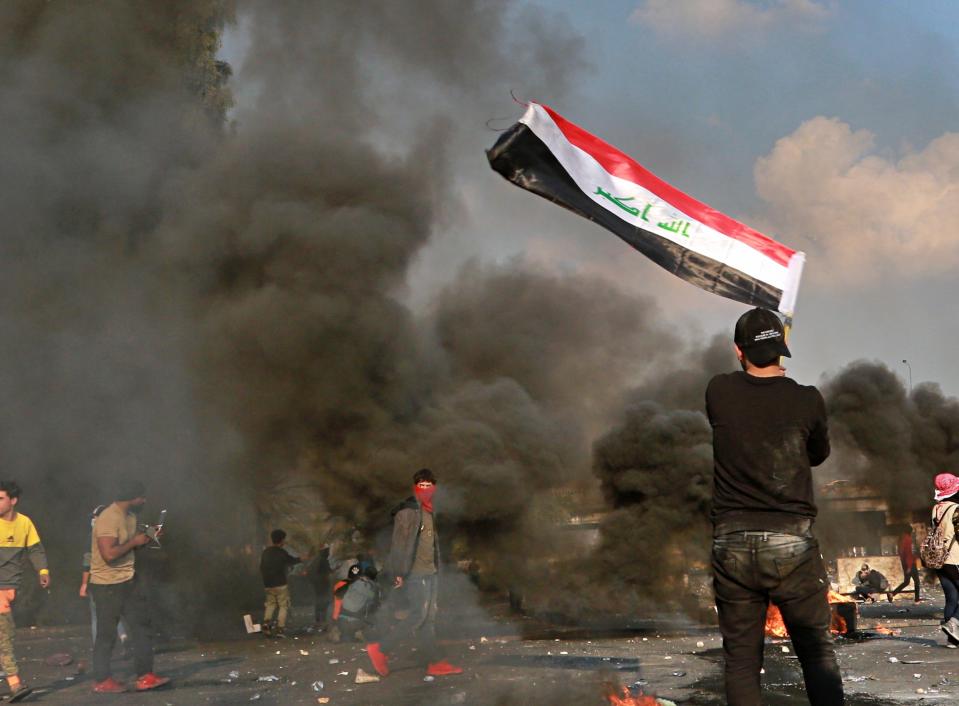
point(906, 363)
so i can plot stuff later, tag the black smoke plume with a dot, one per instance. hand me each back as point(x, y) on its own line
point(890, 440)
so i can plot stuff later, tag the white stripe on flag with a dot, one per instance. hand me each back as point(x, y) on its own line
point(590, 176)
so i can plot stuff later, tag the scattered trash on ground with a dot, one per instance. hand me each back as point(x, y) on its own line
point(363, 677)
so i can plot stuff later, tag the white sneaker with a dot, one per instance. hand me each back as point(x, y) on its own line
point(951, 628)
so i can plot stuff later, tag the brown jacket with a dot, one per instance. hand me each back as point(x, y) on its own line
point(407, 522)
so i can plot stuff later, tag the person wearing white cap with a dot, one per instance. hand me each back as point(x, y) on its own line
point(944, 516)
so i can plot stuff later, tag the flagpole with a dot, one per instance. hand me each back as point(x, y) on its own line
point(787, 328)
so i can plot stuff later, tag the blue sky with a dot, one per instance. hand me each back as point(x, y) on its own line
point(700, 106)
point(829, 125)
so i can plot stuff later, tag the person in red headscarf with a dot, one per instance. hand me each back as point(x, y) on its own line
point(414, 563)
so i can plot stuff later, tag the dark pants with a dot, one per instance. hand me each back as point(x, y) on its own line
point(750, 569)
point(129, 601)
point(419, 626)
point(949, 578)
point(907, 576)
point(322, 597)
point(865, 592)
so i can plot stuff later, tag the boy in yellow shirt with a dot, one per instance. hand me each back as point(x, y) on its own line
point(18, 538)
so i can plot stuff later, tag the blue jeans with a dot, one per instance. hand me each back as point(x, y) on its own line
point(419, 625)
point(949, 578)
point(750, 569)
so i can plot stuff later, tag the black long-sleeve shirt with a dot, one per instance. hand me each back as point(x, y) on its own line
point(274, 563)
point(767, 433)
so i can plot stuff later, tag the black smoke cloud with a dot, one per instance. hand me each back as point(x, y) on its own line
point(217, 308)
point(212, 299)
point(888, 439)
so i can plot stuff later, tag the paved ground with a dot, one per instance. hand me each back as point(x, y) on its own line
point(680, 662)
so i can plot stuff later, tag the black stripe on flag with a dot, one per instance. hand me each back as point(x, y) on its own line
point(523, 159)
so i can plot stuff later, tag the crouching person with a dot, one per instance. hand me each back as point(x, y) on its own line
point(359, 599)
point(869, 581)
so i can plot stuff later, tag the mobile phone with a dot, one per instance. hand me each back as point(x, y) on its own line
point(153, 531)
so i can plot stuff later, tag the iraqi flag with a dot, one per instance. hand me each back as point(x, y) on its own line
point(550, 156)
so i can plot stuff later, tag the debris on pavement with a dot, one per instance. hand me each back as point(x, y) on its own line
point(363, 677)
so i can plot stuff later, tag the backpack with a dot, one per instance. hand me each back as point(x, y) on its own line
point(935, 548)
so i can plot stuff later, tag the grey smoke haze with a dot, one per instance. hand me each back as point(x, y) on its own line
point(220, 311)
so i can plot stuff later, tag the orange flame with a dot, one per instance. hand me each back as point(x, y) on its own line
point(836, 597)
point(627, 700)
point(775, 627)
point(883, 630)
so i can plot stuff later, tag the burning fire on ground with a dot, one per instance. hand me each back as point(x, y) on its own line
point(775, 627)
point(626, 699)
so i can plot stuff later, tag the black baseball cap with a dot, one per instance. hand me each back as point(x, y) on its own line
point(761, 335)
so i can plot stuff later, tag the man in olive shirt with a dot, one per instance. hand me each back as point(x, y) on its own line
point(414, 565)
point(118, 592)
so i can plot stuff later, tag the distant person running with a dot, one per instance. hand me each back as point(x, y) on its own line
point(18, 539)
point(907, 558)
point(275, 564)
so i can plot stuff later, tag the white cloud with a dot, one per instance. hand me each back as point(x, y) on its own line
point(711, 19)
point(859, 214)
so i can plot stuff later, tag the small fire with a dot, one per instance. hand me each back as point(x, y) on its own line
point(775, 627)
point(883, 630)
point(836, 597)
point(626, 699)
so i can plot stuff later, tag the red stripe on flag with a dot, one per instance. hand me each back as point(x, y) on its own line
point(621, 165)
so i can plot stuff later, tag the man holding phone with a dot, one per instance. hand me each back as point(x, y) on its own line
point(117, 591)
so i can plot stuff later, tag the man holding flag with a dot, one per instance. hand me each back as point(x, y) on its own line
point(767, 432)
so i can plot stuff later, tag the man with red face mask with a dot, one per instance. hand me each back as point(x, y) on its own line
point(414, 563)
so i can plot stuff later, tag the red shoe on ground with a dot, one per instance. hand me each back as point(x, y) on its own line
point(442, 669)
point(379, 660)
point(109, 686)
point(151, 681)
